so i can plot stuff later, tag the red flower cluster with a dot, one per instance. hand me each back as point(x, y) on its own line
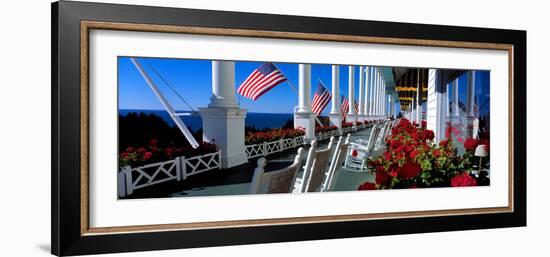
point(363, 122)
point(347, 124)
point(463, 180)
point(471, 144)
point(411, 160)
point(136, 156)
point(272, 135)
point(321, 129)
point(409, 170)
point(367, 186)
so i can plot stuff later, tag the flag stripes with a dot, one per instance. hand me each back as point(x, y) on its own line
point(344, 108)
point(321, 98)
point(261, 80)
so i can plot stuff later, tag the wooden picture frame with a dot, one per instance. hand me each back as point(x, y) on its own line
point(71, 24)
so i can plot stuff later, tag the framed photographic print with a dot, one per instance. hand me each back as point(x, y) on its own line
point(178, 128)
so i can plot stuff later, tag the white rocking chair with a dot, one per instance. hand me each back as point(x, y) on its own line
point(336, 164)
point(279, 181)
point(363, 150)
point(316, 167)
point(381, 140)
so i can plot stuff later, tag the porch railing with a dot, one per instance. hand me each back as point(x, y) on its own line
point(267, 148)
point(132, 178)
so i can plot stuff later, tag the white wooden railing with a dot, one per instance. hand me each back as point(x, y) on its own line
point(324, 135)
point(347, 130)
point(130, 179)
point(267, 148)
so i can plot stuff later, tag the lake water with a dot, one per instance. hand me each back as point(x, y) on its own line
point(258, 120)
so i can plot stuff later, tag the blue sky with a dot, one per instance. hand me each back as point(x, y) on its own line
point(192, 79)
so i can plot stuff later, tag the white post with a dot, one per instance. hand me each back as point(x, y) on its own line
point(129, 181)
point(380, 95)
point(414, 106)
point(303, 116)
point(367, 93)
point(351, 95)
point(392, 106)
point(385, 107)
point(223, 84)
point(470, 93)
point(371, 91)
point(447, 113)
point(223, 120)
point(335, 116)
point(361, 113)
point(455, 98)
point(376, 93)
point(418, 99)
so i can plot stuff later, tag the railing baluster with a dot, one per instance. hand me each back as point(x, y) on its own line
point(129, 182)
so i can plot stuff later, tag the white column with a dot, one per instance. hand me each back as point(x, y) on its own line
point(304, 91)
point(455, 98)
point(385, 99)
point(382, 86)
point(303, 116)
point(335, 116)
point(351, 89)
point(447, 113)
point(223, 121)
point(367, 93)
point(371, 91)
point(380, 93)
point(418, 99)
point(361, 111)
point(392, 106)
point(413, 110)
point(223, 84)
point(470, 93)
point(376, 93)
point(351, 117)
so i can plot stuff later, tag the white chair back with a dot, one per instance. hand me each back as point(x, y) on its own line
point(380, 141)
point(336, 163)
point(316, 167)
point(279, 181)
point(363, 150)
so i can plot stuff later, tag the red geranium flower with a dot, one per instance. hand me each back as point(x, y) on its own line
point(141, 150)
point(130, 149)
point(470, 144)
point(414, 153)
point(430, 135)
point(383, 178)
point(153, 142)
point(409, 170)
point(367, 186)
point(147, 156)
point(463, 180)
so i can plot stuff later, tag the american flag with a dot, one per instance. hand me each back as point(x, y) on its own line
point(321, 98)
point(356, 106)
point(345, 107)
point(261, 80)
